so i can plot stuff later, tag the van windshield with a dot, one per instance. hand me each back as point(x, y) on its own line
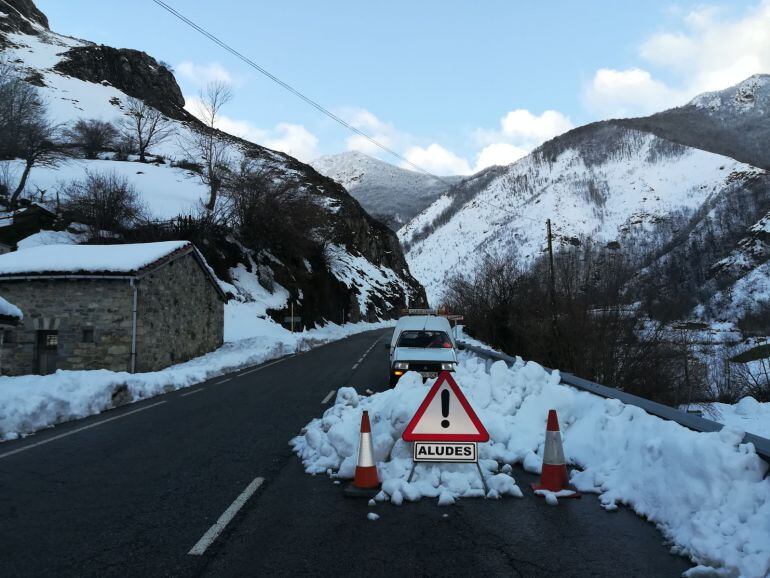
point(424, 340)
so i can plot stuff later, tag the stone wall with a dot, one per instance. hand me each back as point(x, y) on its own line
point(70, 306)
point(181, 315)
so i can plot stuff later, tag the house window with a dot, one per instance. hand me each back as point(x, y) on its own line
point(52, 340)
point(88, 335)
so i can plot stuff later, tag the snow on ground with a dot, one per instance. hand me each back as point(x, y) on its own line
point(357, 271)
point(748, 415)
point(31, 402)
point(166, 191)
point(704, 491)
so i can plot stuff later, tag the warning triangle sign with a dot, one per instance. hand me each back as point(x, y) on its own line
point(445, 415)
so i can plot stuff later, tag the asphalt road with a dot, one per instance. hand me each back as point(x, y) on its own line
point(130, 492)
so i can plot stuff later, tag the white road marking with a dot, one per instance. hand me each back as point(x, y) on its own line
point(78, 430)
point(262, 367)
point(191, 392)
point(355, 366)
point(224, 380)
point(212, 533)
point(328, 397)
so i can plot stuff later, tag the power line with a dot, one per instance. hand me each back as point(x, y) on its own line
point(293, 90)
point(312, 102)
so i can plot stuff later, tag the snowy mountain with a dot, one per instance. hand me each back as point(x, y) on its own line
point(355, 264)
point(389, 193)
point(613, 181)
point(731, 122)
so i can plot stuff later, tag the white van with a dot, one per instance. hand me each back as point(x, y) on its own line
point(422, 343)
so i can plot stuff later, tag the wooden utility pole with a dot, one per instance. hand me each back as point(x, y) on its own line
point(552, 285)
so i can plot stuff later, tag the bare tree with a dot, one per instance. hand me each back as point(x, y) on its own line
point(103, 201)
point(144, 126)
point(26, 131)
point(206, 143)
point(270, 213)
point(92, 136)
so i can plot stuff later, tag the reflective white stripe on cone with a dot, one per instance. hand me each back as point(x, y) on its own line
point(554, 477)
point(366, 472)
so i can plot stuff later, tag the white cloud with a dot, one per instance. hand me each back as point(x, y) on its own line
point(523, 127)
point(520, 131)
point(381, 131)
point(623, 93)
point(292, 139)
point(202, 74)
point(498, 154)
point(437, 160)
point(712, 50)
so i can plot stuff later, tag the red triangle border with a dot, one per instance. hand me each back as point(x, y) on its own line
point(410, 436)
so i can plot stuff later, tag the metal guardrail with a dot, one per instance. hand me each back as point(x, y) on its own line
point(688, 420)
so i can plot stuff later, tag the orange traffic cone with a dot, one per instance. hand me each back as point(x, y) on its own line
point(554, 477)
point(366, 482)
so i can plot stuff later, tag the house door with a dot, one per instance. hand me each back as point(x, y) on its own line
point(47, 351)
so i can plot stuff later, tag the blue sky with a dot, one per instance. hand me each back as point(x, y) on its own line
point(454, 86)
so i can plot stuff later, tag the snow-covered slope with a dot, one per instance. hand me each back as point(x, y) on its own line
point(732, 122)
point(79, 79)
point(601, 181)
point(389, 193)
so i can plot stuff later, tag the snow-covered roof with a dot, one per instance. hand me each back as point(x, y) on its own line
point(9, 311)
point(110, 260)
point(88, 259)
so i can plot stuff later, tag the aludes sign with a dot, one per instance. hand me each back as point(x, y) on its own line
point(445, 428)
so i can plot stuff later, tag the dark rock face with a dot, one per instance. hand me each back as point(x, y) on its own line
point(27, 10)
point(134, 72)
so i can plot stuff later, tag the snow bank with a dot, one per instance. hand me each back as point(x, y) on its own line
point(32, 402)
point(748, 415)
point(705, 491)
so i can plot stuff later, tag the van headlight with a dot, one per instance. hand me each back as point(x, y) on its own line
point(402, 365)
point(448, 366)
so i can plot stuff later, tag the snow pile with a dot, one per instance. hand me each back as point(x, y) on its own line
point(44, 238)
point(748, 415)
point(32, 402)
point(8, 309)
point(705, 491)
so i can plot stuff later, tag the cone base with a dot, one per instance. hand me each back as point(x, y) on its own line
point(574, 494)
point(351, 491)
point(366, 477)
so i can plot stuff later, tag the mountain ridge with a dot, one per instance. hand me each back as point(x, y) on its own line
point(390, 193)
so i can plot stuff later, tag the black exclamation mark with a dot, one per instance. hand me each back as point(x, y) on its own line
point(445, 407)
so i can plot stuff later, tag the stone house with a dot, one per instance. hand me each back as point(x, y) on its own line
point(138, 307)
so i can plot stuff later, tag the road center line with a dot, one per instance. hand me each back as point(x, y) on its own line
point(225, 518)
point(355, 366)
point(191, 392)
point(224, 380)
point(328, 396)
point(78, 430)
